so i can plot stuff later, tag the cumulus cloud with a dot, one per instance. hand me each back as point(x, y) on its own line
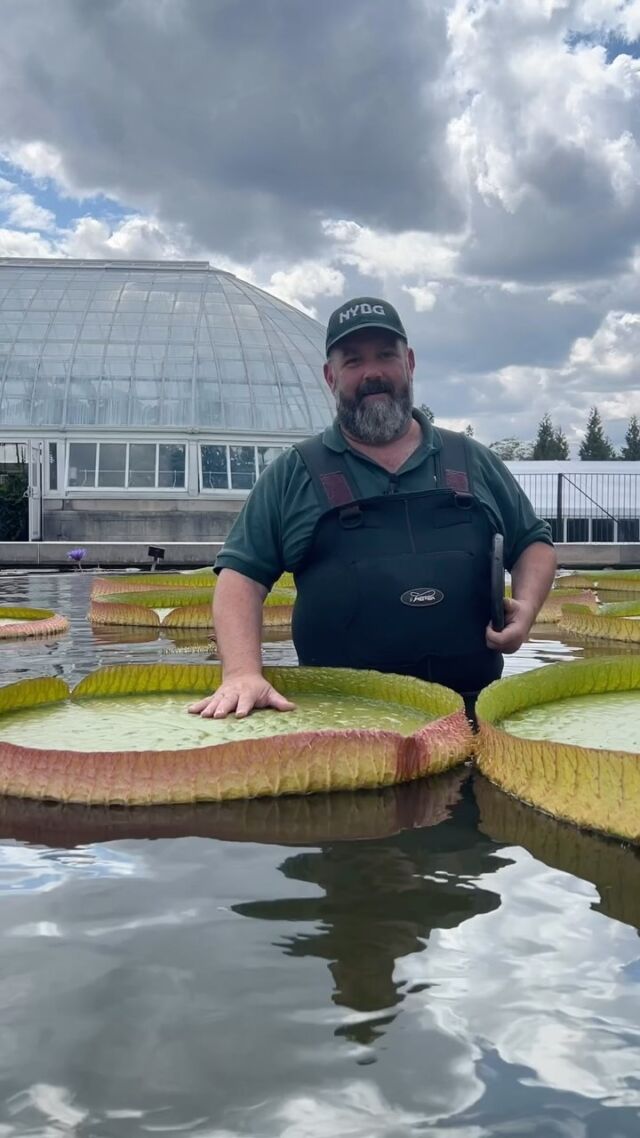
point(21, 210)
point(478, 162)
point(546, 146)
point(599, 370)
point(424, 296)
point(306, 281)
point(253, 129)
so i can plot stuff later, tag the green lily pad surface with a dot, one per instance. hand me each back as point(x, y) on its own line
point(160, 721)
point(608, 720)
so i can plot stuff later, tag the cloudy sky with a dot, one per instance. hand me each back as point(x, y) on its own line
point(475, 161)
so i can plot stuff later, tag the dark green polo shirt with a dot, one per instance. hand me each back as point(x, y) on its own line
point(273, 532)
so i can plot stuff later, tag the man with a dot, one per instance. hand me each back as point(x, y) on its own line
point(386, 523)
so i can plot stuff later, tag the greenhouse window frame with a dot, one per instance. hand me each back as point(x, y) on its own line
point(228, 445)
point(72, 488)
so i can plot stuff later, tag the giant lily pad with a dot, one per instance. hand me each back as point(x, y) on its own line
point(295, 820)
point(551, 611)
point(603, 580)
point(613, 868)
point(20, 622)
point(566, 738)
point(607, 622)
point(162, 582)
point(351, 729)
point(178, 608)
point(176, 600)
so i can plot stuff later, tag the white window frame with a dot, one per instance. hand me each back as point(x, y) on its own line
point(126, 490)
point(229, 489)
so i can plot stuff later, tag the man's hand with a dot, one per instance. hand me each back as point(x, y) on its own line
point(518, 619)
point(240, 694)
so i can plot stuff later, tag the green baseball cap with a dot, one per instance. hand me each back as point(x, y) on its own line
point(363, 312)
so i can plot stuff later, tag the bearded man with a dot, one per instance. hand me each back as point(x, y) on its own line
point(386, 523)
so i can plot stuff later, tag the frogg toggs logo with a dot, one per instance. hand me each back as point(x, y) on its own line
point(422, 598)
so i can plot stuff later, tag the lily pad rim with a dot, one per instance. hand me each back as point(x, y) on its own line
point(490, 713)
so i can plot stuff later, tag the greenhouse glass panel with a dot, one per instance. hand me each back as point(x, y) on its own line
point(214, 467)
point(243, 467)
point(238, 414)
point(171, 465)
point(602, 529)
point(112, 464)
point(268, 416)
point(63, 331)
point(175, 412)
point(142, 465)
point(53, 466)
point(628, 529)
point(32, 330)
point(266, 455)
point(82, 464)
point(577, 529)
point(16, 410)
point(209, 409)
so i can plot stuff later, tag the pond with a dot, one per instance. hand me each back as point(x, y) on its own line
point(463, 966)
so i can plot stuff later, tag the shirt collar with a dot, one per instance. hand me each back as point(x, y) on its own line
point(334, 439)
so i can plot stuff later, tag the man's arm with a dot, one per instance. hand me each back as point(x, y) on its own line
point(531, 578)
point(237, 615)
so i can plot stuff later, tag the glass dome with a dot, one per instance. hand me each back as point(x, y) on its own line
point(141, 344)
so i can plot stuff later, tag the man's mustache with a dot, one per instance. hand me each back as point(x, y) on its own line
point(374, 387)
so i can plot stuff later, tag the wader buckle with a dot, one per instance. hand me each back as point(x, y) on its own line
point(350, 517)
point(463, 500)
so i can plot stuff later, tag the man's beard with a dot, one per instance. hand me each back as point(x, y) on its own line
point(377, 422)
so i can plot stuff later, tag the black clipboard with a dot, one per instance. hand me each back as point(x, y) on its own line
point(497, 582)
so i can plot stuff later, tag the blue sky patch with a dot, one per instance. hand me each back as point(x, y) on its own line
point(66, 209)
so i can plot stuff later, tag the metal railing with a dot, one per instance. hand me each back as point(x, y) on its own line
point(586, 507)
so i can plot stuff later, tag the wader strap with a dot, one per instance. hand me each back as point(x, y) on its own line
point(452, 467)
point(328, 472)
point(330, 475)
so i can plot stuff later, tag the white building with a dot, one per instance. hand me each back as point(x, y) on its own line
point(146, 397)
point(584, 501)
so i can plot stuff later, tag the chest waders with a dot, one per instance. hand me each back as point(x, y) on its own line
point(398, 582)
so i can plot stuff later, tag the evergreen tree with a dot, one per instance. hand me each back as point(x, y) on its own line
point(550, 441)
point(469, 430)
point(510, 450)
point(561, 444)
point(595, 444)
point(631, 450)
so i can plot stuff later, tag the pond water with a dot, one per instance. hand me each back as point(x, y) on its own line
point(434, 959)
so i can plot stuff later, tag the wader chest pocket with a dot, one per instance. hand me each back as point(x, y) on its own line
point(451, 619)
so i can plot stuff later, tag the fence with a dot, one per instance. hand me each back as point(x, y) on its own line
point(586, 507)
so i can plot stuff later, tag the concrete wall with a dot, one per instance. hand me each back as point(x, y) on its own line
point(53, 555)
point(24, 554)
point(157, 521)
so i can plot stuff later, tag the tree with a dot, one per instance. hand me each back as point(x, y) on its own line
point(14, 505)
point(427, 411)
point(468, 431)
point(550, 441)
point(631, 451)
point(561, 443)
point(595, 444)
point(510, 450)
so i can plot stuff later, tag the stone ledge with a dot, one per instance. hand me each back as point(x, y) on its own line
point(194, 554)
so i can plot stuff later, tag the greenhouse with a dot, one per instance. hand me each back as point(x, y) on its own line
point(140, 400)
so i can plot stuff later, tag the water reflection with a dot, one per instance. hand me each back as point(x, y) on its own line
point(613, 868)
point(292, 820)
point(230, 982)
point(379, 902)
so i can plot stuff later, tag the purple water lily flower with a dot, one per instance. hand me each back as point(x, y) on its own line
point(76, 556)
